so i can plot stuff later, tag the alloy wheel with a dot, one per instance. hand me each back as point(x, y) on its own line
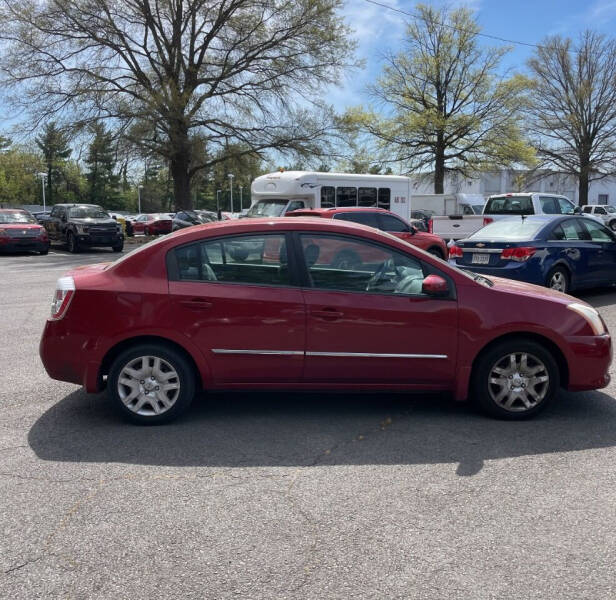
point(518, 382)
point(558, 281)
point(148, 385)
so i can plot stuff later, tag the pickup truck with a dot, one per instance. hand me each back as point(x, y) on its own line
point(79, 225)
point(501, 206)
point(605, 212)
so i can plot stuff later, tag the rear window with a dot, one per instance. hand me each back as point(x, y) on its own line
point(509, 229)
point(509, 205)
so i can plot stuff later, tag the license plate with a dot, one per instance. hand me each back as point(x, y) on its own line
point(480, 259)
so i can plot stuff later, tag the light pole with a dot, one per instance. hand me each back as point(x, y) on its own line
point(43, 176)
point(139, 188)
point(241, 202)
point(218, 203)
point(230, 176)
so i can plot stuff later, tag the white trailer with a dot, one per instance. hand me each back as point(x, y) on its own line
point(449, 204)
point(277, 193)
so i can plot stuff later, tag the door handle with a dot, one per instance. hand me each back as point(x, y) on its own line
point(327, 314)
point(196, 303)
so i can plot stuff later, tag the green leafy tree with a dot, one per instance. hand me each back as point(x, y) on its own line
point(18, 180)
point(103, 182)
point(446, 107)
point(53, 143)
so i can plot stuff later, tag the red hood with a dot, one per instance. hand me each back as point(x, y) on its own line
point(528, 289)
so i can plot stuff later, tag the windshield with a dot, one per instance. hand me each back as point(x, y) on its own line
point(509, 230)
point(478, 208)
point(16, 217)
point(509, 205)
point(88, 212)
point(267, 208)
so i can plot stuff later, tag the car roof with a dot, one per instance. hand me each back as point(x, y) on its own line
point(8, 210)
point(73, 204)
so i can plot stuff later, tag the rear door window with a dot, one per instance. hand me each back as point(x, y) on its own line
point(572, 230)
point(509, 205)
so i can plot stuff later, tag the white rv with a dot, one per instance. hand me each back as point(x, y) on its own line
point(277, 193)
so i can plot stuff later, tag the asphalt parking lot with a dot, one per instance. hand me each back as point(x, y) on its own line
point(292, 495)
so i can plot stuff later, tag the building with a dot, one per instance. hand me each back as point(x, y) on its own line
point(602, 191)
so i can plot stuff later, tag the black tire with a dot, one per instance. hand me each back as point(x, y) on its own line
point(146, 231)
point(558, 279)
point(118, 247)
point(346, 259)
point(186, 378)
point(435, 251)
point(485, 393)
point(44, 252)
point(71, 243)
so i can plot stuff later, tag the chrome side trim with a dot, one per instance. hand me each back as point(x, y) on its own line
point(483, 250)
point(259, 352)
point(330, 354)
point(373, 355)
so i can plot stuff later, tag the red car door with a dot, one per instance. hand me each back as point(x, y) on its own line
point(370, 323)
point(235, 298)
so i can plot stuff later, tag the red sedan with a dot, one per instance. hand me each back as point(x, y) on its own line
point(382, 219)
point(21, 232)
point(153, 224)
point(254, 303)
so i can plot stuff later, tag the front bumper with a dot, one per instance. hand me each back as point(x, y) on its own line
point(100, 240)
point(25, 245)
point(589, 362)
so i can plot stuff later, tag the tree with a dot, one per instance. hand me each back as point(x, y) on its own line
point(447, 109)
point(18, 181)
point(573, 108)
point(103, 182)
point(53, 143)
point(202, 74)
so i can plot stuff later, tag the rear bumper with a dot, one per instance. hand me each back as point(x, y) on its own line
point(69, 357)
point(589, 361)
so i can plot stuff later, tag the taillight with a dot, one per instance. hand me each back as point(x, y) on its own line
point(455, 252)
point(430, 226)
point(65, 290)
point(519, 254)
point(487, 221)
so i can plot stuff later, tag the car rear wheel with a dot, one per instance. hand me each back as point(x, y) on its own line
point(558, 279)
point(515, 379)
point(436, 252)
point(151, 384)
point(71, 242)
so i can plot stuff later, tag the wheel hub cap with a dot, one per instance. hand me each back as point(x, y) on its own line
point(148, 385)
point(518, 382)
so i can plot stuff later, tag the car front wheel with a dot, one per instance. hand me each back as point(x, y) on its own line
point(71, 243)
point(515, 379)
point(151, 384)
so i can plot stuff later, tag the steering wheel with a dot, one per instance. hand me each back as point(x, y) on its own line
point(385, 266)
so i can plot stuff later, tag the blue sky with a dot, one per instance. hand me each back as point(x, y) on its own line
point(377, 29)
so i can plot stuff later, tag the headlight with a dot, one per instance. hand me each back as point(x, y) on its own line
point(590, 315)
point(81, 229)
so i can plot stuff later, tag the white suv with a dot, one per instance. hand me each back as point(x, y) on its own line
point(605, 212)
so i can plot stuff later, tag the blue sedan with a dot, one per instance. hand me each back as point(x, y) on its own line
point(562, 253)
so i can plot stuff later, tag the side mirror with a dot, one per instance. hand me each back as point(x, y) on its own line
point(434, 285)
point(412, 230)
point(577, 210)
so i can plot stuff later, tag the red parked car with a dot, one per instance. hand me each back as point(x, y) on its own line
point(21, 232)
point(382, 219)
point(152, 224)
point(253, 303)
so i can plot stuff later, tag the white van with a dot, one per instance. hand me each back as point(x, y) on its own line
point(277, 193)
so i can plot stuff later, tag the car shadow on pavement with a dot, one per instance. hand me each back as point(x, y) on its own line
point(303, 429)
